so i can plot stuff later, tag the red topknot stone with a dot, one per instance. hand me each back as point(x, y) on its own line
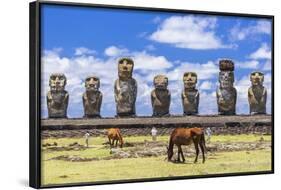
point(226, 65)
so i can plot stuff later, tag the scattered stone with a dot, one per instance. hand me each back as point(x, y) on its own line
point(157, 149)
point(73, 158)
point(63, 176)
point(46, 145)
point(73, 144)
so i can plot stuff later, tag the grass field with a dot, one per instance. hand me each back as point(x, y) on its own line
point(58, 171)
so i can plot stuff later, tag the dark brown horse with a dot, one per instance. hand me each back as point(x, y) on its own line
point(185, 136)
point(114, 134)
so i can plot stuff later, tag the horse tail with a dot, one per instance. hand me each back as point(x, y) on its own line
point(203, 142)
point(120, 138)
point(170, 147)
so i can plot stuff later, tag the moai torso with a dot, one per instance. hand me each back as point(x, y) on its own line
point(257, 94)
point(92, 97)
point(57, 97)
point(160, 96)
point(125, 89)
point(190, 95)
point(226, 93)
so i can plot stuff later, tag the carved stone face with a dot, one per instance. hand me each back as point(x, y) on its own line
point(257, 78)
point(160, 82)
point(125, 68)
point(57, 82)
point(226, 79)
point(189, 80)
point(92, 84)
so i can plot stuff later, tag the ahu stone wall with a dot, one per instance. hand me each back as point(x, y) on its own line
point(226, 129)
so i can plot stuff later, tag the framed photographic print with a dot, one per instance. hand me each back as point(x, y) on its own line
point(132, 94)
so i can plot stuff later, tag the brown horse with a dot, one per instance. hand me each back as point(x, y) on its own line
point(185, 136)
point(114, 134)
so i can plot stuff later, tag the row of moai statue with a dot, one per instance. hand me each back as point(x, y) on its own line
point(125, 93)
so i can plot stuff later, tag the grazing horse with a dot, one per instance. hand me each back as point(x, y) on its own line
point(185, 136)
point(114, 134)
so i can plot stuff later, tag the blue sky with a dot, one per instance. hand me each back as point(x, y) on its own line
point(80, 41)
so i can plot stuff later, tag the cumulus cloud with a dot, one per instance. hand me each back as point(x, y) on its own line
point(150, 47)
point(206, 70)
point(83, 51)
point(267, 66)
point(145, 61)
point(241, 33)
point(191, 32)
point(250, 64)
point(264, 52)
point(258, 60)
point(115, 51)
point(206, 85)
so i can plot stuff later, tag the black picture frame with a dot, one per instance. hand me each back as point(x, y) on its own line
point(35, 92)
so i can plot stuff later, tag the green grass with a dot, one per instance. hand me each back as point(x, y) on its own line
point(58, 172)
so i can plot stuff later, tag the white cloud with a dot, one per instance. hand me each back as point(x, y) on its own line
point(264, 52)
point(251, 64)
point(204, 70)
point(145, 61)
point(267, 66)
point(83, 51)
point(241, 33)
point(150, 47)
point(156, 20)
point(206, 85)
point(115, 51)
point(192, 32)
point(208, 103)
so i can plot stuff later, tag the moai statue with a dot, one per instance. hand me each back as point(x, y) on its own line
point(160, 96)
point(226, 93)
point(92, 97)
point(190, 95)
point(57, 97)
point(257, 94)
point(125, 89)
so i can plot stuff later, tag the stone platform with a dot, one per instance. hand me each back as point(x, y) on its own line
point(174, 121)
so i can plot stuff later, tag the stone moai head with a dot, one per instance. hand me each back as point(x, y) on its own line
point(257, 78)
point(160, 96)
point(125, 88)
point(92, 98)
point(226, 93)
point(257, 94)
point(125, 68)
point(189, 80)
point(160, 82)
point(226, 75)
point(57, 82)
point(92, 84)
point(190, 95)
point(57, 97)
